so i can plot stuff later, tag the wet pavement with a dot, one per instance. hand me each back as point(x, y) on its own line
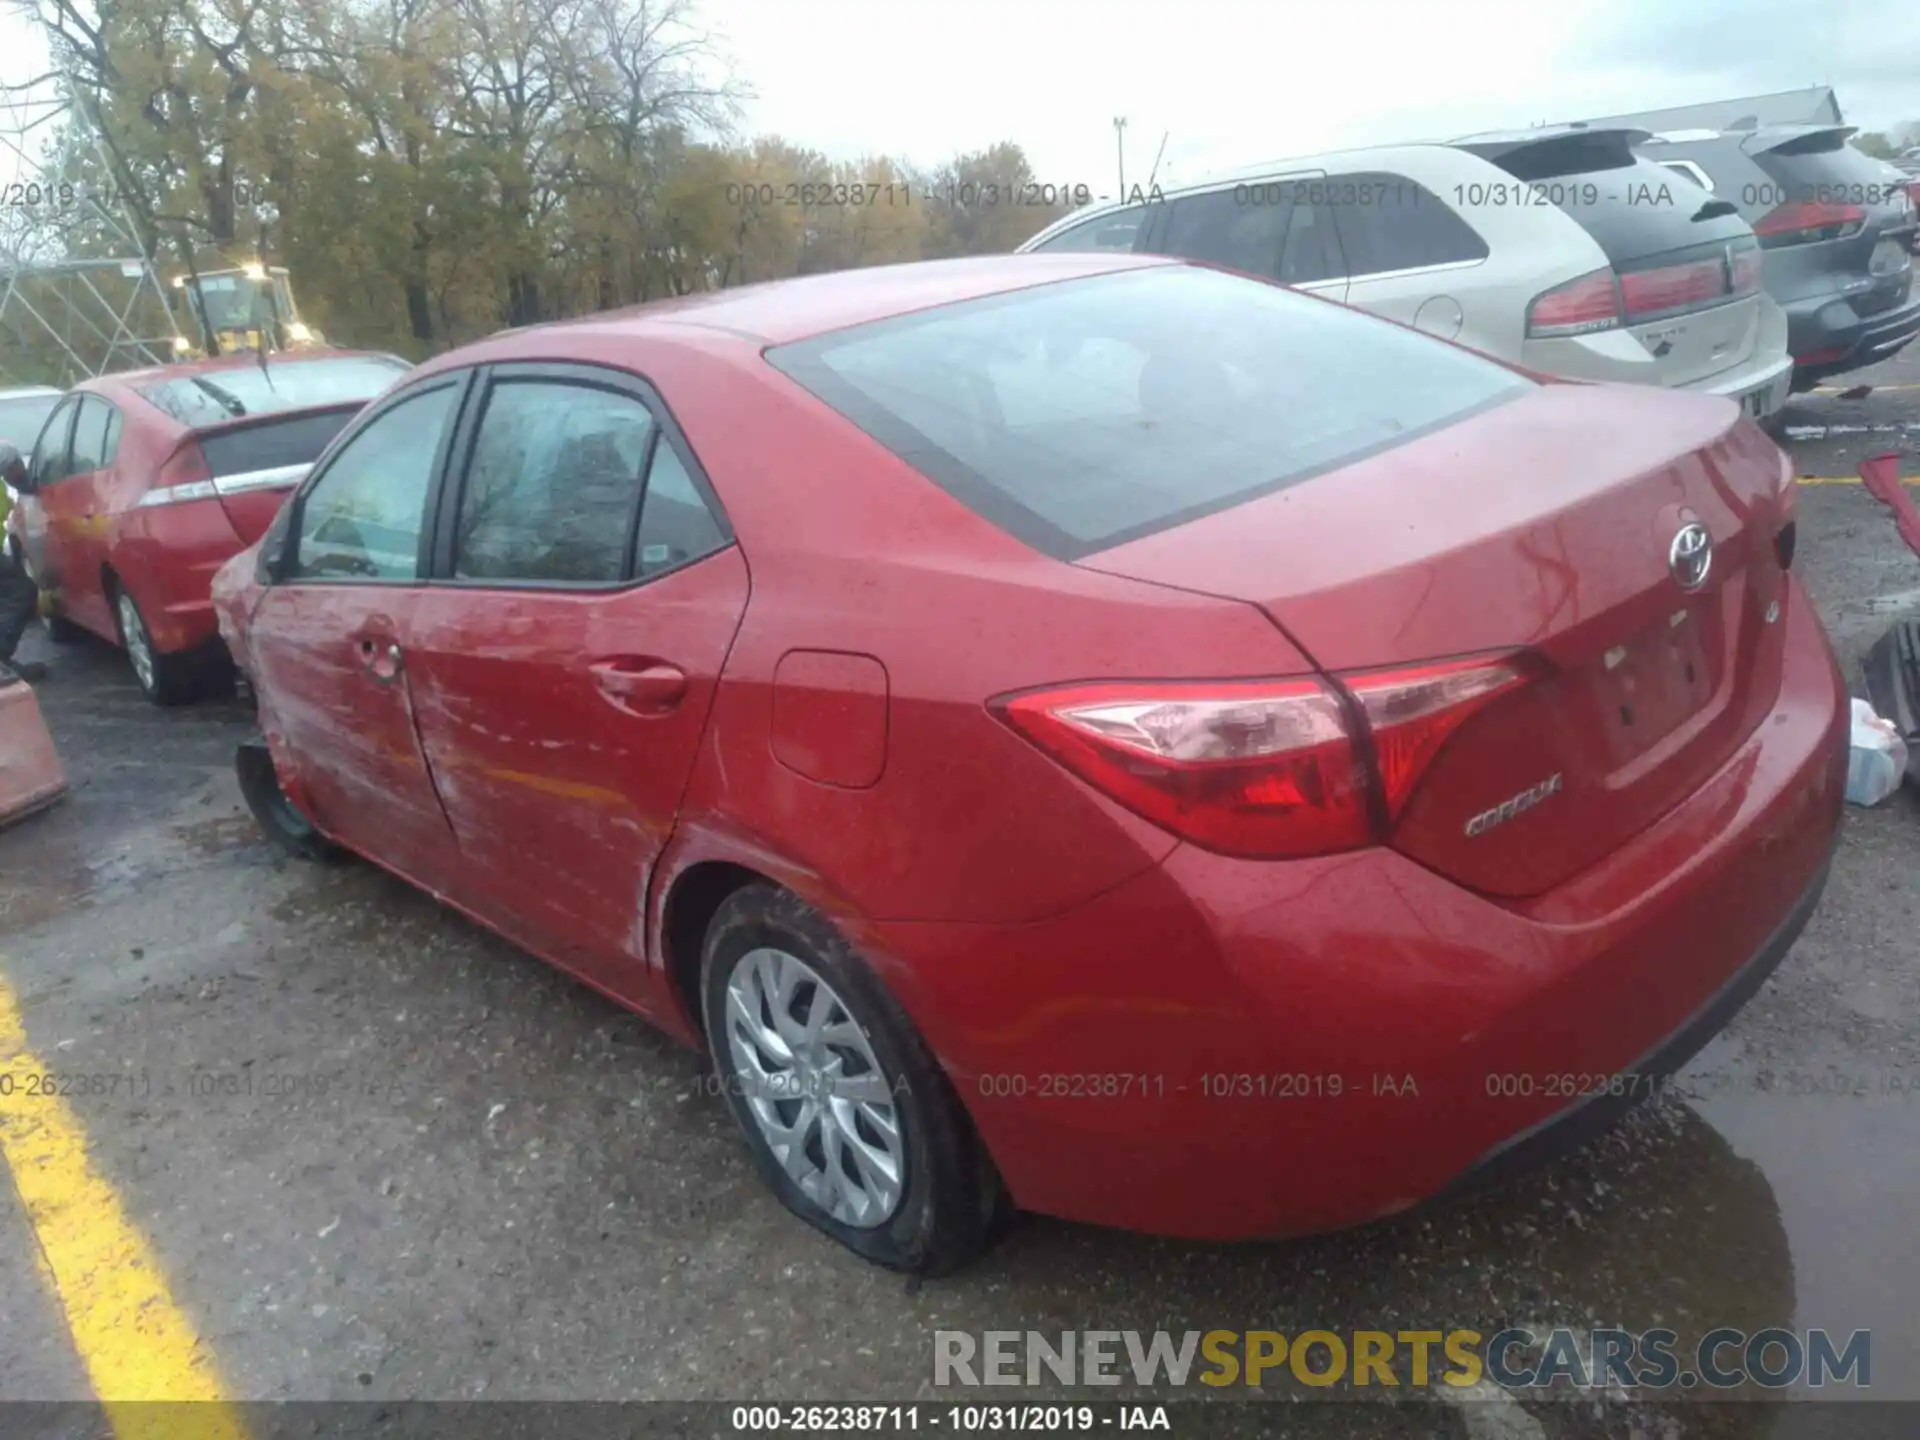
point(382, 1154)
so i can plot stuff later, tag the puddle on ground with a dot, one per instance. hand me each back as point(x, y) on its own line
point(1839, 1145)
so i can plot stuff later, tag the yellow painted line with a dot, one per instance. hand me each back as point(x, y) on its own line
point(137, 1344)
point(1842, 389)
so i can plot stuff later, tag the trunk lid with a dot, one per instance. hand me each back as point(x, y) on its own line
point(1543, 526)
point(255, 464)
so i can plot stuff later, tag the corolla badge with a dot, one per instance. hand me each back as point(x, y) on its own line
point(1691, 555)
point(1516, 805)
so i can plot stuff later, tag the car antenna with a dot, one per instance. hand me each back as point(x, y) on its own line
point(1156, 160)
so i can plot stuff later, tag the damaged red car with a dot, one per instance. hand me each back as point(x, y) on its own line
point(144, 482)
point(1090, 734)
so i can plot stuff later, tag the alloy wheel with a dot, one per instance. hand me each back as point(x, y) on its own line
point(139, 648)
point(816, 1092)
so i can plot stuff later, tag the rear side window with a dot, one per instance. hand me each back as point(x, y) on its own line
point(1226, 227)
point(1083, 414)
point(217, 396)
point(676, 526)
point(361, 518)
point(551, 489)
point(1115, 230)
point(1388, 222)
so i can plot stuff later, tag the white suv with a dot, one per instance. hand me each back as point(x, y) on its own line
point(1557, 249)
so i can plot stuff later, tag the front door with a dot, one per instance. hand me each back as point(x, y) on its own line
point(328, 638)
point(563, 662)
point(45, 542)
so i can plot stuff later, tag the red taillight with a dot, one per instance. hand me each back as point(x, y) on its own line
point(1799, 222)
point(1578, 307)
point(1412, 712)
point(1266, 769)
point(1672, 287)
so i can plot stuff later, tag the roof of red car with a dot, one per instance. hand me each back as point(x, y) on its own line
point(136, 380)
point(778, 311)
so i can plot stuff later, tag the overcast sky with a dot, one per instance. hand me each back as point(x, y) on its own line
point(1235, 81)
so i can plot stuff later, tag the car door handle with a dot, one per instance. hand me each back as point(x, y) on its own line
point(641, 685)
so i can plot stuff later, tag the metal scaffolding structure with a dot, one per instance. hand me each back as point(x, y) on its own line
point(80, 293)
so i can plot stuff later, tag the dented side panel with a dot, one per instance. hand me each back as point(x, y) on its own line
point(560, 776)
point(341, 706)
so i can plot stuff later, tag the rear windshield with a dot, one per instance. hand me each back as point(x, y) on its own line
point(1822, 169)
point(295, 440)
point(1636, 210)
point(1085, 413)
point(222, 395)
point(22, 416)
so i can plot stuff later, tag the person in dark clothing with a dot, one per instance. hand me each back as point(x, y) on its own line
point(19, 599)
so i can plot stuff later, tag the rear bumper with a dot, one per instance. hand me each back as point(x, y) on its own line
point(1829, 330)
point(1594, 1114)
point(1231, 1049)
point(168, 556)
point(1761, 386)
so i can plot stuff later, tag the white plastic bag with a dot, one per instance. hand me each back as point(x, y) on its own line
point(1878, 758)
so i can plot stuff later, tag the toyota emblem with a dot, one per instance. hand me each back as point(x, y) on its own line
point(1691, 556)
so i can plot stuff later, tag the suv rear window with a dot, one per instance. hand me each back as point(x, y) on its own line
point(1822, 169)
point(1085, 413)
point(218, 396)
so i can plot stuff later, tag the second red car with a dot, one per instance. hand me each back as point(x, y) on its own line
point(143, 483)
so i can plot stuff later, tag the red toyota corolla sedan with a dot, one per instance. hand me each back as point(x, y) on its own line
point(143, 483)
point(1093, 734)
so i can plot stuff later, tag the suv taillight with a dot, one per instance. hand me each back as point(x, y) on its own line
point(1800, 222)
point(1265, 769)
point(1579, 307)
point(1645, 293)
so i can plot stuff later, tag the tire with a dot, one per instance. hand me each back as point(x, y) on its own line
point(58, 629)
point(946, 1202)
point(275, 813)
point(163, 679)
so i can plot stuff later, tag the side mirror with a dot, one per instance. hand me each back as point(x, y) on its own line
point(13, 469)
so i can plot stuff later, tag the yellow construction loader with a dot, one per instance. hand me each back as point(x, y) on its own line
point(248, 308)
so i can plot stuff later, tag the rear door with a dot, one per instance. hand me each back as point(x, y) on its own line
point(1409, 256)
point(327, 638)
point(1688, 265)
point(563, 662)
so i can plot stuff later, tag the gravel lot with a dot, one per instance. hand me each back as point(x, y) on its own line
point(487, 1182)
